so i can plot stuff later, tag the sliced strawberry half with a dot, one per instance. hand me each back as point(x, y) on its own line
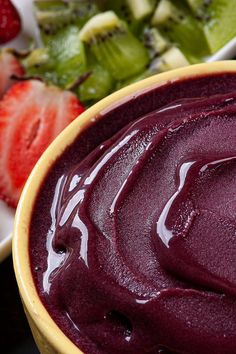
point(9, 65)
point(10, 22)
point(31, 116)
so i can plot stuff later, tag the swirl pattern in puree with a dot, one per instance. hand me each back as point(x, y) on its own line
point(140, 254)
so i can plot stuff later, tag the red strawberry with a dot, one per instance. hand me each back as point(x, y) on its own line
point(31, 116)
point(10, 22)
point(9, 66)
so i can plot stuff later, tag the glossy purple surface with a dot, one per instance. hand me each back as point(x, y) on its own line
point(132, 238)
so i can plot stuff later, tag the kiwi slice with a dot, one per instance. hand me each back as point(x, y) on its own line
point(61, 62)
point(133, 79)
point(48, 5)
point(52, 16)
point(218, 18)
point(197, 5)
point(114, 46)
point(140, 8)
point(173, 58)
point(122, 10)
point(165, 11)
point(36, 58)
point(98, 84)
point(154, 42)
point(176, 22)
point(68, 54)
point(39, 64)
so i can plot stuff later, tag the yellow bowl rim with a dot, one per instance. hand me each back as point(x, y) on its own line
point(38, 313)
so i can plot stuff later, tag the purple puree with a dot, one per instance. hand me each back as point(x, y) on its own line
point(133, 233)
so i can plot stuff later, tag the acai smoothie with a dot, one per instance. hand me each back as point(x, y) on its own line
point(133, 231)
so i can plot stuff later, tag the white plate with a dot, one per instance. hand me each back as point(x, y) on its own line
point(30, 30)
point(6, 225)
point(227, 52)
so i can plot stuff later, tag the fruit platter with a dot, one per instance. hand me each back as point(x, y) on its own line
point(60, 57)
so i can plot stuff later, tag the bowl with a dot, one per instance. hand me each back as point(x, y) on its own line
point(48, 336)
point(30, 30)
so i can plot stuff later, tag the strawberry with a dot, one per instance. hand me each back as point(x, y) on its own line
point(10, 22)
point(9, 66)
point(31, 116)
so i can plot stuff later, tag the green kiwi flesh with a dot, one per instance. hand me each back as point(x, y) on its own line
point(61, 62)
point(39, 64)
point(172, 58)
point(181, 27)
point(98, 84)
point(53, 16)
point(140, 8)
point(114, 46)
point(95, 47)
point(122, 10)
point(218, 18)
point(154, 42)
point(68, 53)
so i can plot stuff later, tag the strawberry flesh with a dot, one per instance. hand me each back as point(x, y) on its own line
point(31, 116)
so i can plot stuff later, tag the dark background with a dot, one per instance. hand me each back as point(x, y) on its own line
point(15, 335)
